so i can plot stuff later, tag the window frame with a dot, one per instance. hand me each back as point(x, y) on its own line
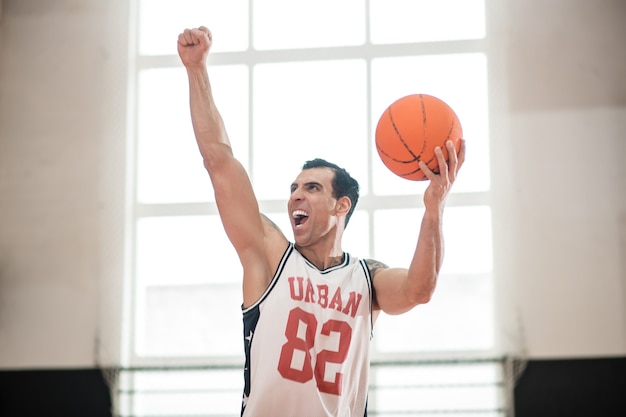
point(369, 202)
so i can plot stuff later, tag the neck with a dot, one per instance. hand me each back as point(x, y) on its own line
point(326, 251)
point(322, 259)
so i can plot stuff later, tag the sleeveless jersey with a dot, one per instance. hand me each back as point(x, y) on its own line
point(307, 341)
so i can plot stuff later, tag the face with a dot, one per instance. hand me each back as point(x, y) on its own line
point(312, 208)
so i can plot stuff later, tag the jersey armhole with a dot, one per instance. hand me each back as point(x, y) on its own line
point(372, 292)
point(272, 283)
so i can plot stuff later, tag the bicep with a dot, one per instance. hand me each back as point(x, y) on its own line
point(237, 205)
point(390, 292)
point(258, 242)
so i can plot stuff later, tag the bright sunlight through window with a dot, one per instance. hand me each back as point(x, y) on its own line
point(297, 80)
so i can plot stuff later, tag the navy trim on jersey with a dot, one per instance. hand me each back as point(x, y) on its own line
point(251, 318)
point(370, 284)
point(344, 262)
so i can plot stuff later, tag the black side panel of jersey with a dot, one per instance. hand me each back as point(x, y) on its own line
point(250, 320)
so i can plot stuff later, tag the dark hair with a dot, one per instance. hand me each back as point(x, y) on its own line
point(343, 184)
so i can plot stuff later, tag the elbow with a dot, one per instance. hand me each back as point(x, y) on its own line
point(215, 155)
point(422, 294)
point(421, 297)
point(411, 300)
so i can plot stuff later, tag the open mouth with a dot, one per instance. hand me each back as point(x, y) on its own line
point(300, 217)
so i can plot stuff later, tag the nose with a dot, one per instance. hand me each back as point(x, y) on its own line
point(296, 194)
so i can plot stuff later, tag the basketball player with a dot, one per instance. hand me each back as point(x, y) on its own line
point(308, 306)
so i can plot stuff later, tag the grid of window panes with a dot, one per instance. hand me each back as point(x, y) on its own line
point(295, 80)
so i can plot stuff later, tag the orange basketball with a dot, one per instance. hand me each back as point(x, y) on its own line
point(410, 129)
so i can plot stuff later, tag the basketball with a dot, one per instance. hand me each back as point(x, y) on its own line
point(410, 129)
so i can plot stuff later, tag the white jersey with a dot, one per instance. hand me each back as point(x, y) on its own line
point(307, 341)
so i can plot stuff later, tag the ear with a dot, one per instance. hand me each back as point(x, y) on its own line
point(343, 205)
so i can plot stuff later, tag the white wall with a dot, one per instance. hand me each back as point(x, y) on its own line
point(560, 183)
point(559, 188)
point(62, 139)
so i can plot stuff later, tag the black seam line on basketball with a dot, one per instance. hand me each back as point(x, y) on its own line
point(401, 162)
point(424, 125)
point(445, 140)
point(395, 128)
point(450, 130)
point(425, 135)
point(416, 159)
point(421, 96)
point(406, 174)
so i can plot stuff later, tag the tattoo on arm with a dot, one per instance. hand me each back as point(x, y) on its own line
point(375, 265)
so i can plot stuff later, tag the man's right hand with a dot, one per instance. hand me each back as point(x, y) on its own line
point(194, 45)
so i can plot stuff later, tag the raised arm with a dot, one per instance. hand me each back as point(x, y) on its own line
point(398, 290)
point(248, 231)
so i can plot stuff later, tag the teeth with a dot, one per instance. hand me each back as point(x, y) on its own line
point(299, 213)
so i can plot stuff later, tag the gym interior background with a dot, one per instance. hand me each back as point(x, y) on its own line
point(558, 184)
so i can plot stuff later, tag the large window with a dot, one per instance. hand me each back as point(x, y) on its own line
point(295, 80)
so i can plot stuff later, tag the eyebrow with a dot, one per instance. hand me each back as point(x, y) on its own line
point(294, 184)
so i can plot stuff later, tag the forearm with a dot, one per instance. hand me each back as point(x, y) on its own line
point(428, 257)
point(399, 290)
point(207, 122)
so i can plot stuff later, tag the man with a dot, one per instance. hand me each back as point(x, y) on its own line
point(308, 307)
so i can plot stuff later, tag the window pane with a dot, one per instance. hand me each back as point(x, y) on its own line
point(467, 232)
point(185, 250)
point(160, 22)
point(303, 111)
point(459, 317)
point(307, 24)
point(402, 21)
point(169, 165)
point(462, 303)
point(468, 240)
point(452, 388)
point(197, 320)
point(356, 238)
point(461, 81)
point(189, 392)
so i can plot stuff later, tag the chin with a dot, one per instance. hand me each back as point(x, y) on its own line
point(299, 239)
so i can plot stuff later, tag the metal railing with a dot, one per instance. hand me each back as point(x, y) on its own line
point(470, 387)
